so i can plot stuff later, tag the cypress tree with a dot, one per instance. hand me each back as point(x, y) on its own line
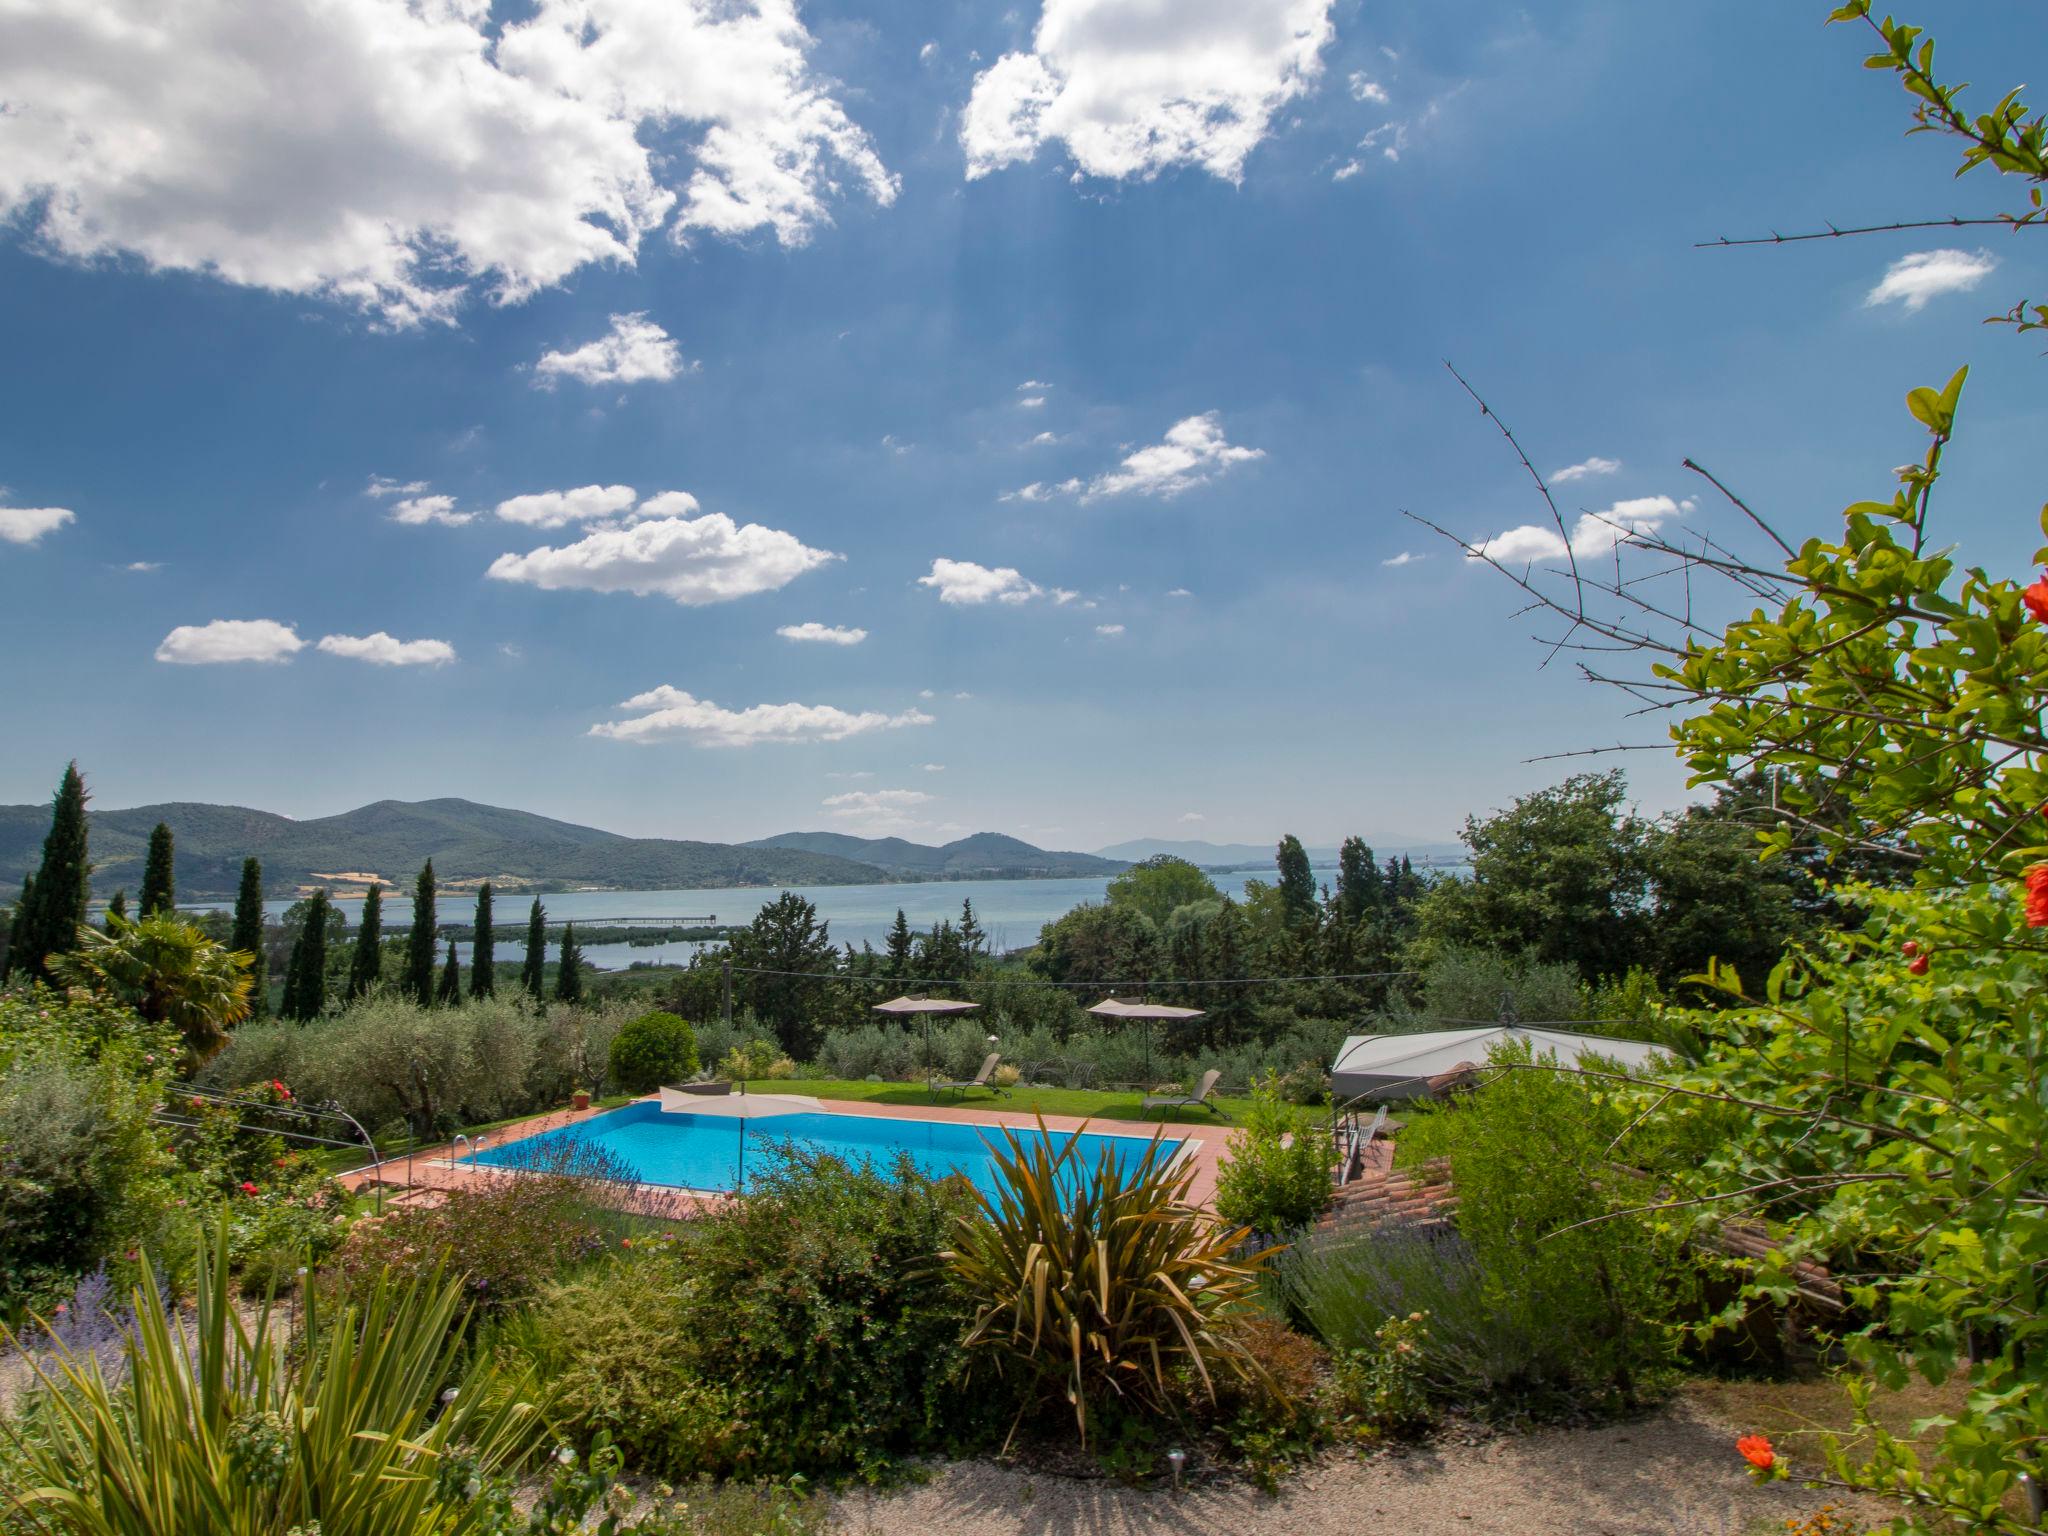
point(309, 986)
point(159, 886)
point(248, 934)
point(366, 965)
point(117, 906)
point(1359, 889)
point(899, 946)
point(288, 999)
point(53, 908)
point(533, 976)
point(1297, 881)
point(449, 993)
point(420, 947)
point(569, 975)
point(483, 948)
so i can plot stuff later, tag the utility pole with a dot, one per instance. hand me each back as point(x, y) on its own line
point(725, 967)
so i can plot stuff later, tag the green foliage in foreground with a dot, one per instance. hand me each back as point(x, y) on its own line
point(1092, 1283)
point(800, 1330)
point(375, 1428)
point(1276, 1177)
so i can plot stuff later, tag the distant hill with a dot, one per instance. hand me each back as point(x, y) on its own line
point(392, 838)
point(984, 856)
point(1238, 855)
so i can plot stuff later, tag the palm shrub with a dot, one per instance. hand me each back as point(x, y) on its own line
point(1276, 1177)
point(653, 1049)
point(167, 971)
point(376, 1427)
point(1095, 1282)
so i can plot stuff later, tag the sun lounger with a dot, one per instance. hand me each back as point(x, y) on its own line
point(1201, 1098)
point(981, 1079)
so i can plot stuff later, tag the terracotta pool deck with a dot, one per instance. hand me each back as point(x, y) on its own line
point(437, 1168)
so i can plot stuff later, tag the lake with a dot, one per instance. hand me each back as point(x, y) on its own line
point(1012, 911)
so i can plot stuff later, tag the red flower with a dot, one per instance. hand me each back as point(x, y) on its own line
point(1919, 965)
point(248, 1188)
point(1756, 1450)
point(2037, 896)
point(2036, 599)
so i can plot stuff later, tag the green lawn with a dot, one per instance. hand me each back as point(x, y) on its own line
point(1048, 1101)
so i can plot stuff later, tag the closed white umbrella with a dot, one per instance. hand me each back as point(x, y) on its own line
point(1400, 1066)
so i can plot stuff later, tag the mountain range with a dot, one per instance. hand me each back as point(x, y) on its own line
point(468, 842)
point(984, 856)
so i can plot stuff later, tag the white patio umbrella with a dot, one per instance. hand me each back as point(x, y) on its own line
point(925, 1007)
point(1149, 1014)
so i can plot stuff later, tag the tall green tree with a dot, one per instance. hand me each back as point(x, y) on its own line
point(449, 993)
point(366, 965)
point(248, 934)
point(309, 961)
point(899, 946)
point(53, 906)
point(569, 973)
point(159, 881)
point(483, 948)
point(973, 937)
point(1360, 891)
point(422, 943)
point(533, 974)
point(785, 943)
point(117, 904)
point(1297, 881)
point(17, 923)
point(1159, 885)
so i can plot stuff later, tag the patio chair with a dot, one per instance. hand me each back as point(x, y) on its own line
point(1202, 1098)
point(981, 1079)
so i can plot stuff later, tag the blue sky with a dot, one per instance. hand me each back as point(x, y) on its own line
point(408, 341)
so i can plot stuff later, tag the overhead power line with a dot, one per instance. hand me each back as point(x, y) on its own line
point(1039, 981)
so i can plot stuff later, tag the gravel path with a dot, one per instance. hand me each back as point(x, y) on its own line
point(1674, 1472)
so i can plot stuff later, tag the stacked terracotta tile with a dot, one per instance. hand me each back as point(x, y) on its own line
point(1419, 1196)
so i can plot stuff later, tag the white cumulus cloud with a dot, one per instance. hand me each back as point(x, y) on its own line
point(823, 634)
point(1192, 816)
point(933, 767)
point(1193, 452)
point(668, 713)
point(1133, 87)
point(24, 525)
point(693, 560)
point(554, 509)
point(401, 156)
point(382, 650)
point(1913, 280)
point(1365, 88)
point(879, 810)
point(1406, 557)
point(964, 583)
point(634, 351)
point(194, 645)
point(1109, 630)
point(1594, 534)
point(1585, 469)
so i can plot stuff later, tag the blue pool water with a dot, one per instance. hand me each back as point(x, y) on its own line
point(705, 1151)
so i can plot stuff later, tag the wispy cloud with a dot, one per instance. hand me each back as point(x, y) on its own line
point(1585, 469)
point(670, 714)
point(1913, 280)
point(1109, 631)
point(823, 634)
point(1406, 557)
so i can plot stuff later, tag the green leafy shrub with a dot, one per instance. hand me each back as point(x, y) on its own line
point(1543, 1202)
point(80, 1160)
point(1383, 1387)
point(226, 1428)
point(1276, 1176)
point(801, 1329)
point(653, 1049)
point(757, 1060)
point(1092, 1282)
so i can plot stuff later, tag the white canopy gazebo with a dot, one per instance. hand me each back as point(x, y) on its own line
point(1148, 1014)
point(1400, 1066)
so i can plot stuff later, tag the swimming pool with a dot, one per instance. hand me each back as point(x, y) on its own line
point(706, 1152)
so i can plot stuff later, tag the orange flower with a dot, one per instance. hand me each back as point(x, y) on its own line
point(1756, 1450)
point(2037, 896)
point(2036, 599)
